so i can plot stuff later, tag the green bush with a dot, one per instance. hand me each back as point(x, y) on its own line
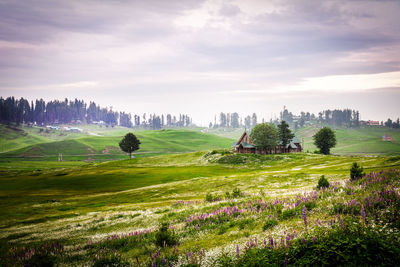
point(227, 195)
point(269, 224)
point(322, 182)
point(356, 171)
point(236, 193)
point(340, 247)
point(211, 198)
point(164, 237)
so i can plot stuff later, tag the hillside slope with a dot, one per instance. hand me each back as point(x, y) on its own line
point(350, 141)
point(106, 147)
point(363, 140)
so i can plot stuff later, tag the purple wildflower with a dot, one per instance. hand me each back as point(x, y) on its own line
point(305, 215)
point(341, 222)
point(363, 213)
point(237, 251)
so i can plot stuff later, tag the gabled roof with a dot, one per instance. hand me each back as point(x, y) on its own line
point(292, 143)
point(241, 138)
point(296, 140)
point(247, 145)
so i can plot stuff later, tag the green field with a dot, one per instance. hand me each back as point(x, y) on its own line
point(363, 140)
point(90, 204)
point(30, 143)
point(350, 141)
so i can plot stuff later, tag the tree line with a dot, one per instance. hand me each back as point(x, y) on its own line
point(392, 124)
point(233, 120)
point(21, 111)
point(336, 117)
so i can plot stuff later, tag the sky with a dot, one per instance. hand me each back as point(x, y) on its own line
point(205, 57)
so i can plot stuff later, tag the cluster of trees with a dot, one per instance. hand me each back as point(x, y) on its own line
point(20, 111)
point(155, 122)
point(337, 117)
point(392, 124)
point(266, 136)
point(233, 120)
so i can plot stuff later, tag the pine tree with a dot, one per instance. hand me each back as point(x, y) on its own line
point(285, 135)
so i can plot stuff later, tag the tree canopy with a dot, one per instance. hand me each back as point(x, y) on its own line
point(129, 144)
point(264, 136)
point(325, 139)
point(285, 134)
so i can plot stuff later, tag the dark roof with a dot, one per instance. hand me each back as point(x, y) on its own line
point(247, 145)
point(296, 140)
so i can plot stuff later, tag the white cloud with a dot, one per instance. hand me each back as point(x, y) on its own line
point(237, 51)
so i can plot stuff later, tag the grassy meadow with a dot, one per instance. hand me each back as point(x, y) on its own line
point(220, 209)
point(363, 140)
point(97, 143)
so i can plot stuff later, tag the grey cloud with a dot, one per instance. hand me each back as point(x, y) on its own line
point(229, 10)
point(38, 21)
point(306, 39)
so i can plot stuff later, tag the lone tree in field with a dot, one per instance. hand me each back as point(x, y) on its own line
point(129, 144)
point(285, 135)
point(264, 136)
point(325, 139)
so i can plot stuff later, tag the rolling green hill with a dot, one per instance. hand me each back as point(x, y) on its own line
point(84, 147)
point(363, 140)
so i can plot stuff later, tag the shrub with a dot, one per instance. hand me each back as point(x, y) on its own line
point(356, 171)
point(348, 247)
point(322, 182)
point(236, 193)
point(211, 198)
point(165, 237)
point(269, 224)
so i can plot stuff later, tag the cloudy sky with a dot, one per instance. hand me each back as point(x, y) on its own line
point(204, 57)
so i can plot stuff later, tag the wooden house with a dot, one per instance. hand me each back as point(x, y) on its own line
point(244, 145)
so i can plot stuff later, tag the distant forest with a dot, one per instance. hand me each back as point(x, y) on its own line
point(336, 117)
point(20, 111)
